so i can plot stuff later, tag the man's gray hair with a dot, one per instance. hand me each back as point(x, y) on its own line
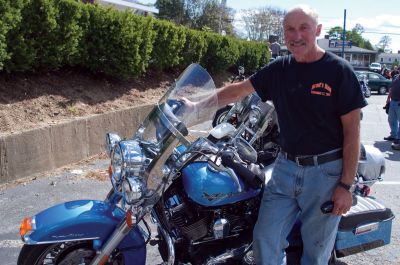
point(312, 13)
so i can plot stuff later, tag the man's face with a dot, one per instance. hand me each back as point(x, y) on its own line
point(300, 34)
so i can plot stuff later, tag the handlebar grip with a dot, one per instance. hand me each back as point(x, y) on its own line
point(243, 172)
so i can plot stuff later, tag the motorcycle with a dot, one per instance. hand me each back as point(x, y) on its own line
point(202, 191)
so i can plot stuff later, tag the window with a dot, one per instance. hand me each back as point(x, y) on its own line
point(381, 59)
point(390, 59)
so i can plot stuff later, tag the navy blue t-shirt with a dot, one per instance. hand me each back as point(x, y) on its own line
point(309, 99)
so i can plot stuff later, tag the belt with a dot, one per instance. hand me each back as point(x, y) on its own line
point(313, 160)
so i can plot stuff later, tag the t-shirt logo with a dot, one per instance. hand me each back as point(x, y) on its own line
point(321, 89)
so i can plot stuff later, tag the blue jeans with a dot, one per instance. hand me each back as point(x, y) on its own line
point(297, 192)
point(394, 118)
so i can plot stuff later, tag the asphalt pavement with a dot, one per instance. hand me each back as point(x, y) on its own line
point(87, 180)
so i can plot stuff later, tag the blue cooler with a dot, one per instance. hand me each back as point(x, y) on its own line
point(367, 225)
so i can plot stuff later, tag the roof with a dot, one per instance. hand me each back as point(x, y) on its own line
point(389, 55)
point(125, 4)
point(324, 44)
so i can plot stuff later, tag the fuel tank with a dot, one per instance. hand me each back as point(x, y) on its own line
point(210, 187)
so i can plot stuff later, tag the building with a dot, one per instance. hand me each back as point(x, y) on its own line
point(359, 58)
point(389, 59)
point(137, 8)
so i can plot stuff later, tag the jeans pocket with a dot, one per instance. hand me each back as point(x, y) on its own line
point(332, 169)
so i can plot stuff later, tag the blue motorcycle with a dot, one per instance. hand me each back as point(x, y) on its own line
point(201, 187)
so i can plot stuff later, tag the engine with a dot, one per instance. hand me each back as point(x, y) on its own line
point(196, 228)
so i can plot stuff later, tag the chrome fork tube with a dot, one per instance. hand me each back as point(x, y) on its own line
point(118, 235)
point(168, 239)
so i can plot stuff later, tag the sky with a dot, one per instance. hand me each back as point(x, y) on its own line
point(379, 18)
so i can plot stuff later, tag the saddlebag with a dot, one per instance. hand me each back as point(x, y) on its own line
point(367, 225)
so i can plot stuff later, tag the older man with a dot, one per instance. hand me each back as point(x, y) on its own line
point(318, 100)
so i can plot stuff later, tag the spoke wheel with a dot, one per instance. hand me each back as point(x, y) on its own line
point(68, 253)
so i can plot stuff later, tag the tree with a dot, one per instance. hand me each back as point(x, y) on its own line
point(262, 23)
point(353, 35)
point(215, 16)
point(384, 43)
point(197, 14)
point(173, 10)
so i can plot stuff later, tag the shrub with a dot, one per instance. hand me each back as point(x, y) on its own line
point(222, 52)
point(113, 42)
point(10, 17)
point(168, 45)
point(69, 32)
point(195, 47)
point(252, 55)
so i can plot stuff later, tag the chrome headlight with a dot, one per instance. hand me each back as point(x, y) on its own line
point(111, 140)
point(133, 189)
point(127, 159)
point(117, 163)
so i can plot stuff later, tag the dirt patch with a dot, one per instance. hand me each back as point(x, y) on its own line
point(31, 100)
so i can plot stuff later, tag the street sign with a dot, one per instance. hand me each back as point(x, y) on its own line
point(339, 44)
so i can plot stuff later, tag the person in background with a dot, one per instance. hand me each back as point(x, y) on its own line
point(394, 113)
point(383, 69)
point(275, 49)
point(318, 99)
point(386, 73)
point(395, 72)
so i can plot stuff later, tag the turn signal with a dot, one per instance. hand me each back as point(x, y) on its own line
point(110, 171)
point(26, 226)
point(130, 220)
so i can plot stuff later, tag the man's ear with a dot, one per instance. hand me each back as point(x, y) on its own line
point(319, 28)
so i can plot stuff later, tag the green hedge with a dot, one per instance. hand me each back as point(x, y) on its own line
point(113, 42)
point(38, 35)
point(168, 45)
point(10, 19)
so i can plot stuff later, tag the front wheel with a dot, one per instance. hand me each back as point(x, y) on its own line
point(66, 253)
point(220, 115)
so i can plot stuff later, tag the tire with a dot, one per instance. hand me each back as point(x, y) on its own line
point(382, 90)
point(220, 115)
point(80, 252)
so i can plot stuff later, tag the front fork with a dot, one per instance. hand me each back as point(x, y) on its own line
point(118, 235)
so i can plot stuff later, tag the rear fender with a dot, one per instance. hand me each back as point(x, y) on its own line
point(85, 220)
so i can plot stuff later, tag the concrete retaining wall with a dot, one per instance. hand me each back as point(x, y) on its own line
point(46, 148)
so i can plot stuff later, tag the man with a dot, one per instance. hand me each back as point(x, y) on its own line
point(275, 49)
point(318, 99)
point(394, 113)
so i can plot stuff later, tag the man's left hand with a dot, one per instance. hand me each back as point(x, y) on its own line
point(342, 200)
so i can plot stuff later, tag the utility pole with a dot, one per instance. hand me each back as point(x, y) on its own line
point(344, 34)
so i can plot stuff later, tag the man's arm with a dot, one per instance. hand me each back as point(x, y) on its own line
point(234, 92)
point(351, 152)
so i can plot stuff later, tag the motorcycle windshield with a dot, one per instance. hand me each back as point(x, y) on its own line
point(177, 119)
point(171, 116)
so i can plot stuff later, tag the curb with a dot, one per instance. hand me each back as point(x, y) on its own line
point(46, 148)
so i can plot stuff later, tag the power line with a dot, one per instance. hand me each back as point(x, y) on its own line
point(384, 33)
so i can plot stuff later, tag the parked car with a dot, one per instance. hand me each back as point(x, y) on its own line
point(375, 81)
point(375, 67)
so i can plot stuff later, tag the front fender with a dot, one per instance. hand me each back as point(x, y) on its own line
point(85, 220)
